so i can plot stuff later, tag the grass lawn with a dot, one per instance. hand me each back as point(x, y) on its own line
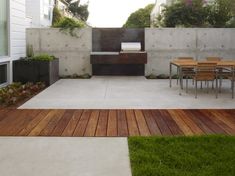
point(182, 156)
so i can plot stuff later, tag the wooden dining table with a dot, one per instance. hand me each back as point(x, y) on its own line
point(182, 64)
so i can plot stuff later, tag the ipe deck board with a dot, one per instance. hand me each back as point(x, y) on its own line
point(116, 123)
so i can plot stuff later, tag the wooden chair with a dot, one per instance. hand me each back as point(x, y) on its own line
point(230, 74)
point(185, 71)
point(213, 58)
point(205, 71)
point(185, 58)
point(216, 59)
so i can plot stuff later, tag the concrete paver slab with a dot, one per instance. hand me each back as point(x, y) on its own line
point(64, 157)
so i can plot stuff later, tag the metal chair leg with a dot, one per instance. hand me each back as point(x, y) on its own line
point(187, 85)
point(216, 88)
point(220, 84)
point(195, 88)
point(232, 89)
point(177, 76)
point(182, 82)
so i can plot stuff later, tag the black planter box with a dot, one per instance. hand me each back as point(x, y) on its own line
point(36, 71)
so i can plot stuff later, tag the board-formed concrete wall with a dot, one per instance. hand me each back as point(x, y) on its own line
point(73, 52)
point(165, 44)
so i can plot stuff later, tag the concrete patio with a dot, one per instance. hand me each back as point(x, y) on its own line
point(64, 156)
point(126, 93)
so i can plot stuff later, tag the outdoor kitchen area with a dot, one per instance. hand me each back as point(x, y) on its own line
point(118, 52)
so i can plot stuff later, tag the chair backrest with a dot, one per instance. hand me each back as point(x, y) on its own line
point(213, 58)
point(206, 69)
point(185, 58)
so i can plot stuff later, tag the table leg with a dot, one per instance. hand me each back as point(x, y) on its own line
point(233, 75)
point(170, 75)
point(180, 79)
point(216, 85)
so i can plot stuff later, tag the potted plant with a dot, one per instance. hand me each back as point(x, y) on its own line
point(39, 68)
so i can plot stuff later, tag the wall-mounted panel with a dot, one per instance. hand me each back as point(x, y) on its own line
point(109, 39)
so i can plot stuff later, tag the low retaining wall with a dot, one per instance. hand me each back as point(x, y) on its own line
point(73, 52)
point(162, 45)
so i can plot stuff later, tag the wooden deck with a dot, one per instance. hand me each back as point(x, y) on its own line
point(115, 122)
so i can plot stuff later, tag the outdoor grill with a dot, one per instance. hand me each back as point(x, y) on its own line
point(130, 46)
point(118, 52)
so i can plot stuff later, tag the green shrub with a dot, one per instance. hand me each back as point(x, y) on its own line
point(76, 76)
point(16, 92)
point(68, 23)
point(43, 57)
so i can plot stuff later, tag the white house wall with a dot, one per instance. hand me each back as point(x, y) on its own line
point(33, 12)
point(17, 34)
point(46, 22)
point(17, 29)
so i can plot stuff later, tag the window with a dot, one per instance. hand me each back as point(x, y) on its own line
point(46, 12)
point(161, 8)
point(47, 9)
point(3, 28)
point(3, 74)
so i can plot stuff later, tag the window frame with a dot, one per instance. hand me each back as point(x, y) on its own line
point(7, 76)
point(7, 57)
point(5, 60)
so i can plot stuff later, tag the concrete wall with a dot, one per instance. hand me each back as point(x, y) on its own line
point(74, 53)
point(166, 44)
point(162, 46)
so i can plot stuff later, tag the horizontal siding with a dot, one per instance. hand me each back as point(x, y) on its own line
point(18, 4)
point(18, 42)
point(18, 29)
point(18, 12)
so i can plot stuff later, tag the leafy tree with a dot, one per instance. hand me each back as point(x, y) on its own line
point(221, 12)
point(198, 13)
point(140, 18)
point(231, 22)
point(56, 16)
point(185, 13)
point(79, 11)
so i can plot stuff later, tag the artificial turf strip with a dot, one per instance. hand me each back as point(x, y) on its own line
point(182, 156)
